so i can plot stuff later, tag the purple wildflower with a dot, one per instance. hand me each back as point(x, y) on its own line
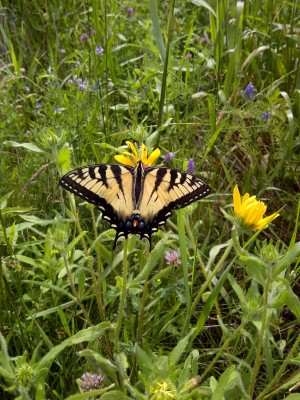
point(26, 88)
point(79, 81)
point(204, 40)
point(191, 166)
point(249, 92)
point(128, 10)
point(57, 109)
point(84, 37)
point(172, 258)
point(266, 116)
point(169, 157)
point(38, 106)
point(12, 17)
point(91, 382)
point(99, 50)
point(188, 56)
point(82, 87)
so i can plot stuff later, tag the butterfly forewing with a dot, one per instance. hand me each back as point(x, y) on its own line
point(104, 185)
point(168, 189)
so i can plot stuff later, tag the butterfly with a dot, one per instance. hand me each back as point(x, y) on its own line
point(135, 199)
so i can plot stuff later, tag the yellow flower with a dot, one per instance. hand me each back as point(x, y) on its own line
point(250, 211)
point(163, 391)
point(133, 158)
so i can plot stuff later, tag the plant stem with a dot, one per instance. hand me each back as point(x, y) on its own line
point(123, 297)
point(257, 363)
point(183, 254)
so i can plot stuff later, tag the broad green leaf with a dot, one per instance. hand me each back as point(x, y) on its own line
point(293, 302)
point(28, 146)
point(145, 362)
point(177, 352)
point(219, 390)
point(6, 369)
point(28, 260)
point(115, 395)
point(53, 309)
point(87, 395)
point(255, 267)
point(14, 210)
point(284, 262)
point(4, 199)
point(85, 335)
point(64, 159)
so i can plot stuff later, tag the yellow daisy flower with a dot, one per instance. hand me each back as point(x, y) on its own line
point(250, 211)
point(133, 158)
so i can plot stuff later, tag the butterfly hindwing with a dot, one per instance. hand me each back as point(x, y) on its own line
point(166, 190)
point(107, 187)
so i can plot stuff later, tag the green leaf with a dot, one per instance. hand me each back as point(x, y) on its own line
point(156, 29)
point(219, 390)
point(27, 260)
point(76, 240)
point(5, 369)
point(145, 362)
point(4, 199)
point(177, 352)
point(115, 395)
point(284, 262)
point(87, 395)
point(203, 3)
point(85, 335)
point(64, 321)
point(28, 146)
point(256, 268)
point(64, 159)
point(293, 302)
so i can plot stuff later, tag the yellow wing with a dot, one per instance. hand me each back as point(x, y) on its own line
point(107, 186)
point(134, 200)
point(168, 189)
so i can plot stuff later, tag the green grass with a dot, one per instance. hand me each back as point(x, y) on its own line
point(224, 322)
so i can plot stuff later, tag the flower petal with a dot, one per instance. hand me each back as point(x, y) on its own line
point(264, 222)
point(144, 155)
point(236, 200)
point(153, 157)
point(125, 160)
point(133, 149)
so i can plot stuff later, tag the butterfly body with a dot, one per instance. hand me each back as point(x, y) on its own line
point(135, 200)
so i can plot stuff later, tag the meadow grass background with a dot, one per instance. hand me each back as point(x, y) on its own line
point(217, 82)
